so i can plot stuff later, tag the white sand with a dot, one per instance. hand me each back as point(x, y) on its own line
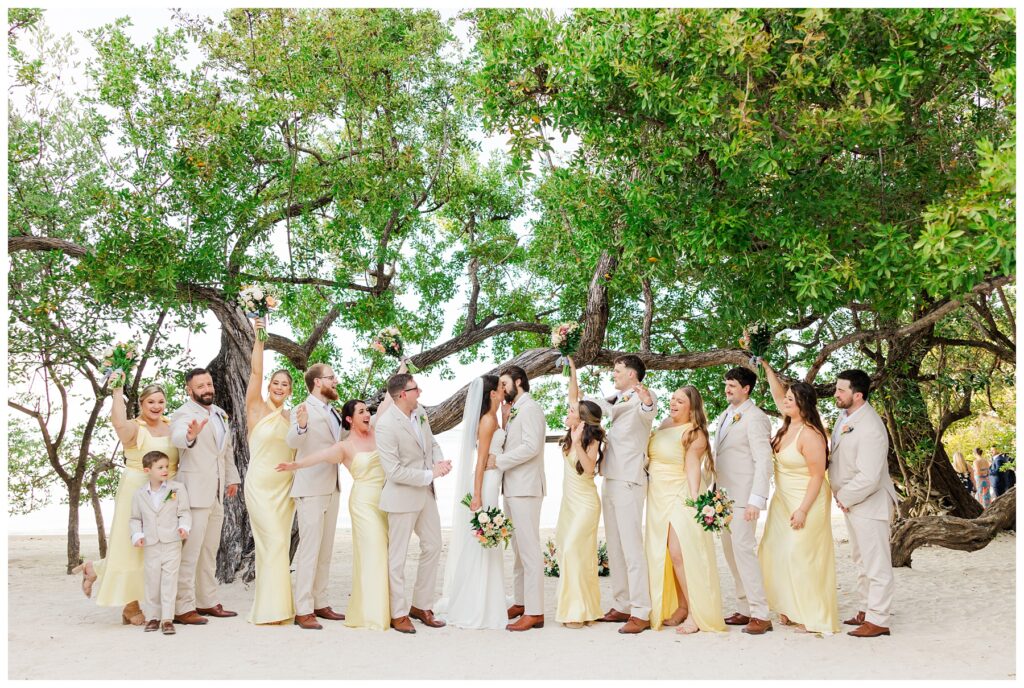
point(55, 633)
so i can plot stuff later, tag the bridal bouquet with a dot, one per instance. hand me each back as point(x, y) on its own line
point(117, 363)
point(756, 339)
point(258, 302)
point(566, 338)
point(490, 526)
point(389, 342)
point(714, 510)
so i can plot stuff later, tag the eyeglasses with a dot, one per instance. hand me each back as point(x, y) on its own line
point(328, 377)
point(411, 389)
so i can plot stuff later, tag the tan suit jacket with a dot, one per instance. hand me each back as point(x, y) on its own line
point(408, 465)
point(625, 452)
point(208, 466)
point(321, 479)
point(859, 466)
point(160, 524)
point(743, 454)
point(522, 456)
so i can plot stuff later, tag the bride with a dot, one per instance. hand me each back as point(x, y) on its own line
point(474, 585)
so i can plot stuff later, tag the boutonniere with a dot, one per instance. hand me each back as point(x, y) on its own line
point(173, 494)
point(423, 418)
point(513, 414)
point(736, 417)
point(625, 397)
point(846, 430)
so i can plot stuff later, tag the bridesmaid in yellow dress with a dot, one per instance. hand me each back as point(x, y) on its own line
point(369, 606)
point(681, 561)
point(267, 498)
point(118, 579)
point(578, 595)
point(797, 554)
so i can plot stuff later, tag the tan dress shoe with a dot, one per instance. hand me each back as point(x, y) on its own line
point(614, 616)
point(516, 610)
point(190, 619)
point(152, 625)
point(403, 625)
point(737, 619)
point(856, 620)
point(218, 611)
point(167, 628)
point(758, 626)
point(132, 614)
point(635, 625)
point(307, 621)
point(526, 622)
point(426, 616)
point(329, 614)
point(868, 630)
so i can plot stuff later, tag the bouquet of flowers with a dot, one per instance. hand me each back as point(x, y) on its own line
point(566, 338)
point(602, 559)
point(258, 302)
point(714, 510)
point(550, 559)
point(490, 526)
point(756, 339)
point(117, 363)
point(389, 342)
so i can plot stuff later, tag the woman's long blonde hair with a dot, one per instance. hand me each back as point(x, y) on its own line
point(959, 465)
point(699, 425)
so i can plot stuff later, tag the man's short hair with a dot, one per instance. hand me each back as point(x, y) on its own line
point(312, 373)
point(194, 372)
point(518, 375)
point(745, 376)
point(397, 383)
point(634, 363)
point(858, 379)
point(152, 457)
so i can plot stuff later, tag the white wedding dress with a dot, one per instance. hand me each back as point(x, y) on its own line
point(474, 581)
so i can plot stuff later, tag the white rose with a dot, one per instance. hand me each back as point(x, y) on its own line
point(257, 293)
point(484, 518)
point(708, 510)
point(108, 352)
point(499, 519)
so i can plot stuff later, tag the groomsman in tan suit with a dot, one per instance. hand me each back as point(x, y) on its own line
point(743, 464)
point(411, 459)
point(624, 489)
point(206, 465)
point(315, 425)
point(160, 520)
point(523, 485)
point(859, 475)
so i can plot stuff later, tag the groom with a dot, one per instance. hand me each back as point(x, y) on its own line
point(859, 475)
point(522, 483)
point(411, 459)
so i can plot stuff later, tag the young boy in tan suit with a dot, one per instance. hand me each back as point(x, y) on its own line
point(160, 521)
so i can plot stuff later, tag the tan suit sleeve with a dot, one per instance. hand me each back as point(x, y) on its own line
point(759, 436)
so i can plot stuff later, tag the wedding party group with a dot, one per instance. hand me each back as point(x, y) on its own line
point(691, 478)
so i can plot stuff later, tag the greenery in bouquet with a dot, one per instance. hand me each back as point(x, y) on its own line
point(566, 338)
point(714, 510)
point(258, 302)
point(491, 526)
point(389, 342)
point(117, 363)
point(550, 559)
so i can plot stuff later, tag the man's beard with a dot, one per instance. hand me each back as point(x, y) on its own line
point(205, 399)
point(842, 405)
point(330, 393)
point(510, 397)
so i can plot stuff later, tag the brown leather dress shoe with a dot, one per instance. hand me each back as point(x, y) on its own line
point(167, 628)
point(132, 614)
point(307, 621)
point(868, 630)
point(427, 617)
point(152, 625)
point(516, 610)
point(635, 625)
point(190, 619)
point(403, 625)
point(329, 614)
point(526, 622)
point(758, 626)
point(737, 619)
point(218, 611)
point(614, 616)
point(856, 620)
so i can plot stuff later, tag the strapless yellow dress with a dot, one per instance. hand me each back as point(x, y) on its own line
point(369, 606)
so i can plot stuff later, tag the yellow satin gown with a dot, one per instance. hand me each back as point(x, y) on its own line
point(667, 490)
point(369, 606)
point(578, 595)
point(271, 510)
point(799, 566)
point(120, 578)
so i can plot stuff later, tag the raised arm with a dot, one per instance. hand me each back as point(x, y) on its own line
point(574, 387)
point(253, 397)
point(387, 402)
point(127, 431)
point(778, 389)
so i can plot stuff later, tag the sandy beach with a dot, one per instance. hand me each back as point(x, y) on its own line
point(54, 632)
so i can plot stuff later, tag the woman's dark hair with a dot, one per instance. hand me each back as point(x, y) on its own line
point(590, 416)
point(807, 403)
point(490, 384)
point(348, 411)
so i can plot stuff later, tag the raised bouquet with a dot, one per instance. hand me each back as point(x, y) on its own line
point(389, 342)
point(117, 363)
point(258, 302)
point(714, 510)
point(756, 339)
point(566, 338)
point(490, 526)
